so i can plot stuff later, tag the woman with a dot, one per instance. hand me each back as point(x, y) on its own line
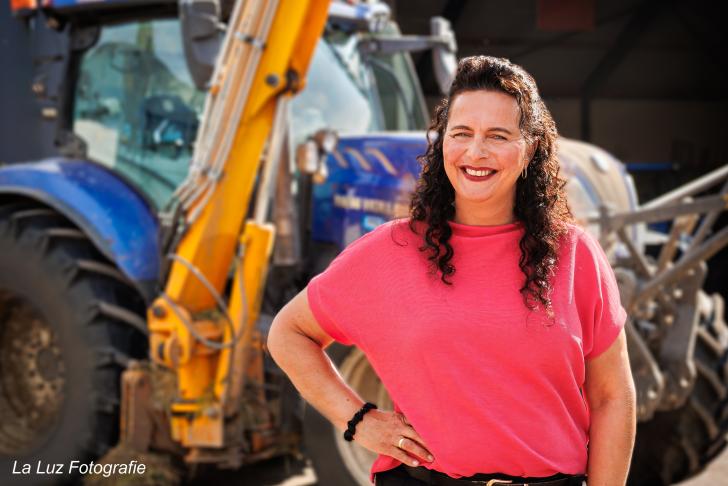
point(493, 321)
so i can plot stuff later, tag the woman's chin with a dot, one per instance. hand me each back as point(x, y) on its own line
point(474, 198)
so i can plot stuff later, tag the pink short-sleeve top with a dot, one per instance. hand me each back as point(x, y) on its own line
point(490, 386)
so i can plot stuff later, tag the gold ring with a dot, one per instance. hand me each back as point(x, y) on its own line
point(399, 444)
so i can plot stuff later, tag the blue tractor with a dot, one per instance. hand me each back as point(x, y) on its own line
point(101, 111)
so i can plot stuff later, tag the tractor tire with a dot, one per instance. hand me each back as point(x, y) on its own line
point(678, 444)
point(335, 460)
point(69, 324)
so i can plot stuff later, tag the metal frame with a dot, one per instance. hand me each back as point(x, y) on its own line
point(662, 297)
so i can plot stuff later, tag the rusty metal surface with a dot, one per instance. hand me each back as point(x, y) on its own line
point(145, 397)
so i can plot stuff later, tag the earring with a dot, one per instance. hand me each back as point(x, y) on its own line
point(524, 174)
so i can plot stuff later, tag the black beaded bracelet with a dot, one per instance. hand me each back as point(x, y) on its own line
point(349, 433)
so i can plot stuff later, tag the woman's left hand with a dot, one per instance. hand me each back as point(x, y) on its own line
point(390, 434)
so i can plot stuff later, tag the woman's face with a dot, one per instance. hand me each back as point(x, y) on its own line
point(483, 135)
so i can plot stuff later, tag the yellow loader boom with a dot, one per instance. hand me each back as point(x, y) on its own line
point(209, 344)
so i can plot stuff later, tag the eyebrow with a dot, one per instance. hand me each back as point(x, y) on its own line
point(493, 129)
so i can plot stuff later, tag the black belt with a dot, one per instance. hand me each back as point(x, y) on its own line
point(436, 478)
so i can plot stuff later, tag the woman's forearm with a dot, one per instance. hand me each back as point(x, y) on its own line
point(296, 343)
point(314, 375)
point(611, 440)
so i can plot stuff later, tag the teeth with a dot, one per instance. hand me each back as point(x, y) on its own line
point(478, 173)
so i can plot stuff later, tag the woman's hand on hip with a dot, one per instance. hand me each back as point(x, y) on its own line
point(390, 434)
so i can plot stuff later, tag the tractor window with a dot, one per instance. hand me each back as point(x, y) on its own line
point(355, 93)
point(136, 106)
point(400, 103)
point(399, 90)
point(339, 93)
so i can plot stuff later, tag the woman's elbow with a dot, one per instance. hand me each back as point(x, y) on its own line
point(277, 336)
point(286, 334)
point(296, 323)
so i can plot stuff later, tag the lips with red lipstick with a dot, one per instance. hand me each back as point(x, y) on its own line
point(478, 173)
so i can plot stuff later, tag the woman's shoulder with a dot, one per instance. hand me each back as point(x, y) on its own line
point(577, 235)
point(393, 233)
point(378, 249)
point(584, 238)
point(585, 248)
point(577, 243)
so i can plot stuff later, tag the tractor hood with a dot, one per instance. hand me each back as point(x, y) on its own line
point(370, 180)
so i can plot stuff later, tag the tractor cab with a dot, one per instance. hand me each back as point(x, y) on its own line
point(136, 73)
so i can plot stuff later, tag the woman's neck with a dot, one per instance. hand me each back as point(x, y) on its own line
point(482, 215)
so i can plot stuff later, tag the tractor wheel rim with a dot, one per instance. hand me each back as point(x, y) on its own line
point(32, 376)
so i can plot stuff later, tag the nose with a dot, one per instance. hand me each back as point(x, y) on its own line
point(478, 148)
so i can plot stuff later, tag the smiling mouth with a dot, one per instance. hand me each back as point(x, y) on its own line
point(478, 174)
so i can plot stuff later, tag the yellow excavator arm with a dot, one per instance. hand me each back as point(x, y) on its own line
point(208, 342)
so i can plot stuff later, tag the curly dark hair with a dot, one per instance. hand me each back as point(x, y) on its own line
point(540, 198)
